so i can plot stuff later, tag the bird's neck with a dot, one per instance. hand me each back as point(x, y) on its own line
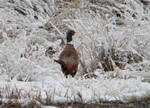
point(69, 38)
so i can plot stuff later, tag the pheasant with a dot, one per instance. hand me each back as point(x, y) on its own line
point(68, 58)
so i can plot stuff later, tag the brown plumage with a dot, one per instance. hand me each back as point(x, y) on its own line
point(68, 58)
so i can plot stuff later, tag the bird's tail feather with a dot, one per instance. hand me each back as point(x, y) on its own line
point(57, 61)
point(62, 64)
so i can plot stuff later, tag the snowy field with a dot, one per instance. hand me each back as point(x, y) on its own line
point(32, 35)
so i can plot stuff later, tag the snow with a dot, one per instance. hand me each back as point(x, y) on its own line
point(67, 90)
point(29, 73)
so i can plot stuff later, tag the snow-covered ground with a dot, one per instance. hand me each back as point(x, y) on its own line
point(29, 28)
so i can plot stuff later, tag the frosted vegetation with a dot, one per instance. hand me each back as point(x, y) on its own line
point(112, 39)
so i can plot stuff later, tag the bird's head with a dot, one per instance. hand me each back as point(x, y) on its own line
point(69, 34)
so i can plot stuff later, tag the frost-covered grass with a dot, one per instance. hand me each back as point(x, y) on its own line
point(111, 35)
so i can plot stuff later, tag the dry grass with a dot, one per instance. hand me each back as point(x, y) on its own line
point(15, 99)
point(77, 105)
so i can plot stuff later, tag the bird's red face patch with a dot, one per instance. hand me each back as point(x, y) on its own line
point(72, 32)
